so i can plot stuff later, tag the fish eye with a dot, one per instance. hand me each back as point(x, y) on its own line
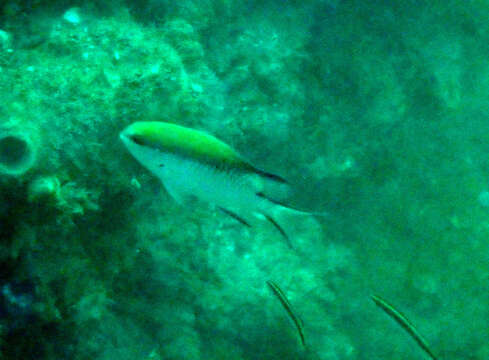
point(137, 139)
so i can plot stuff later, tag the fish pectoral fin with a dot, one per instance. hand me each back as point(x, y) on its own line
point(180, 197)
point(235, 216)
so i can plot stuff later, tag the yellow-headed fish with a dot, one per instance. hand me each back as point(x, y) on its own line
point(194, 164)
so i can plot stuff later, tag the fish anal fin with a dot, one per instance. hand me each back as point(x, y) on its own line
point(235, 216)
point(180, 197)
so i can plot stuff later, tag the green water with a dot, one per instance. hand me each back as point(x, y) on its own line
point(377, 114)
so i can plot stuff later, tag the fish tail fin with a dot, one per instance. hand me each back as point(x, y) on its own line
point(279, 228)
point(284, 217)
point(281, 207)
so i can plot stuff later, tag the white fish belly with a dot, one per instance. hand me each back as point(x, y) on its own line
point(228, 189)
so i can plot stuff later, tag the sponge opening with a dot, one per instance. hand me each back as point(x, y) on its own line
point(17, 154)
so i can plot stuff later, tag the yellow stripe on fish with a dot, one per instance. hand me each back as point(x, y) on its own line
point(186, 142)
point(403, 321)
point(277, 291)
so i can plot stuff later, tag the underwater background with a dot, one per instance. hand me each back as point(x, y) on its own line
point(377, 112)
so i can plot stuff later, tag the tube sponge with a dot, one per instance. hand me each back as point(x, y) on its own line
point(17, 152)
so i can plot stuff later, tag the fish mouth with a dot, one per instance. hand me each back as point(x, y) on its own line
point(125, 136)
point(125, 140)
point(128, 137)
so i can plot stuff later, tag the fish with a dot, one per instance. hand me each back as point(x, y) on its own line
point(288, 308)
point(193, 164)
point(403, 321)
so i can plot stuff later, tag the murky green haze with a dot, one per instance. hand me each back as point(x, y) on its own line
point(377, 114)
